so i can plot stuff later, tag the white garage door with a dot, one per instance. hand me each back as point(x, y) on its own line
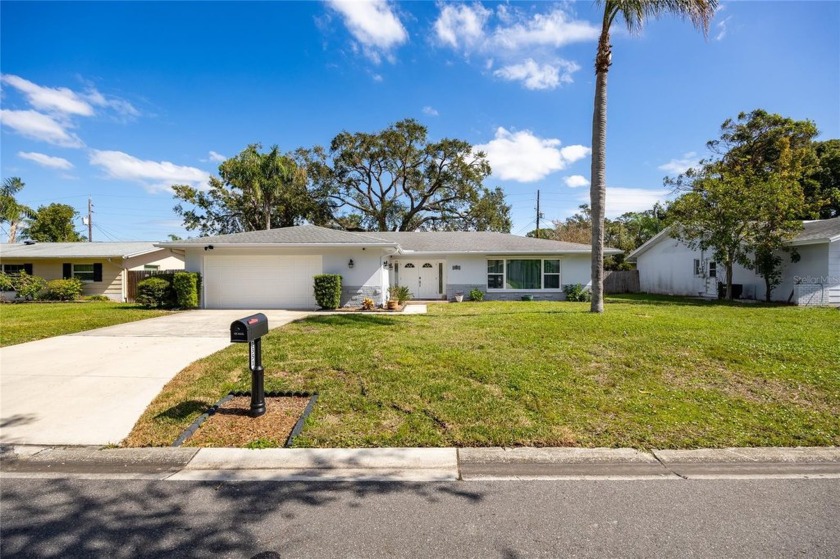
point(260, 282)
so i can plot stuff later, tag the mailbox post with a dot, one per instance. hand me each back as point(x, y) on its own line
point(250, 330)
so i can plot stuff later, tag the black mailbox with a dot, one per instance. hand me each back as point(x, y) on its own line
point(249, 329)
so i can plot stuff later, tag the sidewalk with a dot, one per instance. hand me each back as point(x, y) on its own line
point(417, 464)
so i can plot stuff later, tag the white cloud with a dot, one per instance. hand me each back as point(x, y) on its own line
point(373, 24)
point(621, 200)
point(460, 25)
point(38, 126)
point(554, 29)
point(154, 175)
point(431, 111)
point(46, 160)
point(536, 76)
point(59, 99)
point(576, 181)
point(679, 166)
point(122, 107)
point(721, 28)
point(217, 157)
point(524, 157)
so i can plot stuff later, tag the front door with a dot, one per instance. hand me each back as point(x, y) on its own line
point(422, 278)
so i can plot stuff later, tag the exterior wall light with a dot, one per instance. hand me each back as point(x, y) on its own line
point(351, 264)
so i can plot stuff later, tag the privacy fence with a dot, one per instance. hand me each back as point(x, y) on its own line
point(622, 282)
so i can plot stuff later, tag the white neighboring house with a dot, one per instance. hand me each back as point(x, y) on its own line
point(274, 269)
point(102, 267)
point(667, 266)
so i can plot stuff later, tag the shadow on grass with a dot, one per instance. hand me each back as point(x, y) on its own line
point(183, 410)
point(671, 300)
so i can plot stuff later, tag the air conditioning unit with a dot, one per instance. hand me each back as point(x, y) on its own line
point(748, 292)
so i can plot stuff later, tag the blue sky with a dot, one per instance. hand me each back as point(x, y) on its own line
point(120, 100)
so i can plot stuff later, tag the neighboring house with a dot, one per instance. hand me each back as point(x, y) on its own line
point(102, 267)
point(670, 267)
point(274, 268)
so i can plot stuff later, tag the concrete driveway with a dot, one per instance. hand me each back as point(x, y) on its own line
point(90, 388)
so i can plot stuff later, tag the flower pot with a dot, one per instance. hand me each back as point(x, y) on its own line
point(392, 305)
point(459, 298)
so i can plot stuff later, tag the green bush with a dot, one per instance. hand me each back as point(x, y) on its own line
point(399, 293)
point(185, 285)
point(156, 292)
point(28, 287)
point(576, 292)
point(328, 291)
point(61, 290)
point(6, 283)
point(476, 295)
point(97, 298)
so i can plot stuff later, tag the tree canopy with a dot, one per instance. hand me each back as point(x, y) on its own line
point(11, 211)
point(746, 202)
point(397, 180)
point(53, 224)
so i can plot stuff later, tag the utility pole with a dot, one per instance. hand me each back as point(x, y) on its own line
point(538, 214)
point(90, 220)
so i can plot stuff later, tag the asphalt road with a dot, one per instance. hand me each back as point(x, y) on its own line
point(661, 518)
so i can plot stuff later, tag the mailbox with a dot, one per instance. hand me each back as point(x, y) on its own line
point(249, 329)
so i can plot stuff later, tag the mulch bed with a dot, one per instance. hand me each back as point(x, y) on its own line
point(232, 425)
point(360, 309)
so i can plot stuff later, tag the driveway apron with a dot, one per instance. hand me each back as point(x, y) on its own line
point(90, 388)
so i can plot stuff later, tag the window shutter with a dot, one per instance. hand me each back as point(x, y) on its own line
point(97, 272)
point(28, 269)
point(67, 271)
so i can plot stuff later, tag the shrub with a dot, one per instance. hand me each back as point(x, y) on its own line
point(328, 291)
point(577, 292)
point(6, 283)
point(28, 287)
point(97, 298)
point(368, 304)
point(62, 290)
point(476, 295)
point(185, 285)
point(399, 293)
point(155, 292)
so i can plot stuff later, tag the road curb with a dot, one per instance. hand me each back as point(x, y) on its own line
point(418, 464)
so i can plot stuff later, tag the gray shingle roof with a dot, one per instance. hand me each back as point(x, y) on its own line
point(821, 230)
point(301, 235)
point(77, 250)
point(429, 242)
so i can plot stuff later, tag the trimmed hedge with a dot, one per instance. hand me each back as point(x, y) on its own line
point(185, 285)
point(28, 287)
point(62, 290)
point(156, 292)
point(328, 291)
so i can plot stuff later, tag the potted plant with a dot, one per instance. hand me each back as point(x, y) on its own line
point(393, 302)
point(459, 296)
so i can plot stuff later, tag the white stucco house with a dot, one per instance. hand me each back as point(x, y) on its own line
point(668, 266)
point(102, 267)
point(274, 268)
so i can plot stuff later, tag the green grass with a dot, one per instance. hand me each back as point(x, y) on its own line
point(649, 373)
point(26, 322)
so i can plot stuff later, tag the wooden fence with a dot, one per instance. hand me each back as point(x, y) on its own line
point(136, 276)
point(622, 282)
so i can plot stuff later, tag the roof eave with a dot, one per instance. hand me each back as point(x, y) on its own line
point(274, 245)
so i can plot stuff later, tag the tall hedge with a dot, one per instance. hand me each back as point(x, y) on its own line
point(185, 285)
point(328, 291)
point(156, 292)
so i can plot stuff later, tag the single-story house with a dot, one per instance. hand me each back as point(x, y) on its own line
point(102, 267)
point(668, 266)
point(274, 268)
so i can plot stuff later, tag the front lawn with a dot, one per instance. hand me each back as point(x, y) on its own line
point(26, 322)
point(650, 373)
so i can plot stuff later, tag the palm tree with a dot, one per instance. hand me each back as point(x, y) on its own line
point(10, 211)
point(634, 13)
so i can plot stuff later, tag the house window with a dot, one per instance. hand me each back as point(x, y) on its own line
point(523, 274)
point(14, 269)
point(698, 268)
point(409, 265)
point(83, 272)
point(712, 269)
point(495, 274)
point(151, 267)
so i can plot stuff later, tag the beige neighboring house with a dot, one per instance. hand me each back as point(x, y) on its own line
point(102, 267)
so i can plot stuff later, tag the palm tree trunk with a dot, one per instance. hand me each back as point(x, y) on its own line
point(598, 185)
point(13, 225)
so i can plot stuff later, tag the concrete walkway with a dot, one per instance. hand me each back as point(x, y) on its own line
point(420, 464)
point(90, 388)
